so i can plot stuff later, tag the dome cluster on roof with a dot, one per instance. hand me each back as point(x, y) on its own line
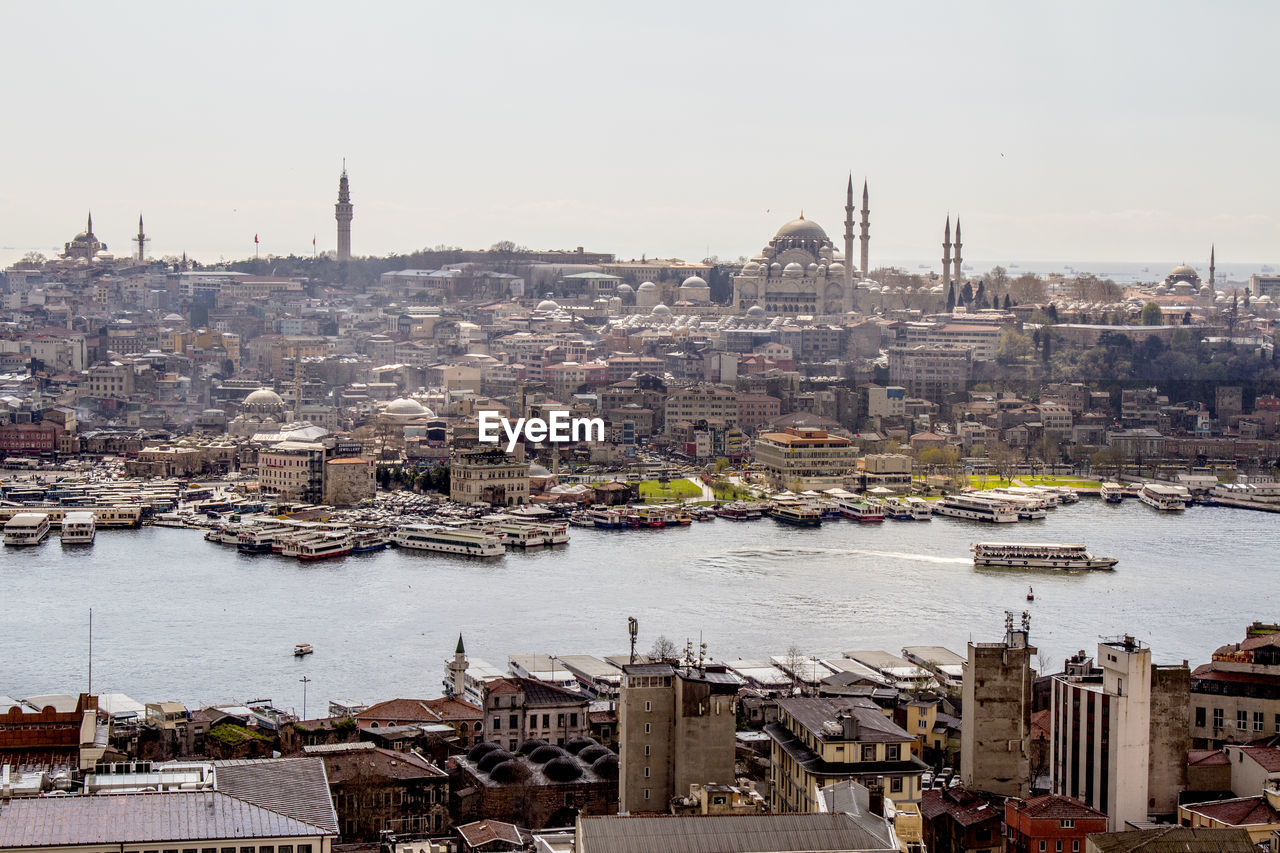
point(480, 750)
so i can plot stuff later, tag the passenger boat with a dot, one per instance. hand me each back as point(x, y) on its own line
point(702, 513)
point(861, 511)
point(1165, 498)
point(740, 511)
point(365, 541)
point(333, 544)
point(26, 528)
point(525, 535)
point(78, 528)
point(796, 514)
point(645, 516)
point(606, 518)
point(446, 540)
point(976, 508)
point(897, 509)
point(921, 509)
point(1112, 493)
point(302, 649)
point(581, 519)
point(258, 538)
point(1038, 555)
point(676, 516)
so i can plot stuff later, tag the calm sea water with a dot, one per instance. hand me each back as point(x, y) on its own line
point(176, 617)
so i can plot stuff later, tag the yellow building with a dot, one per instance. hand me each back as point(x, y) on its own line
point(818, 741)
point(1257, 815)
point(206, 339)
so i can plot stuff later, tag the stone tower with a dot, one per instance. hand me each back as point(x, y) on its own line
point(995, 735)
point(848, 233)
point(865, 237)
point(946, 253)
point(959, 274)
point(342, 211)
point(458, 671)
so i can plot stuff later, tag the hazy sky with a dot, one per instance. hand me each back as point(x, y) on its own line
point(1108, 131)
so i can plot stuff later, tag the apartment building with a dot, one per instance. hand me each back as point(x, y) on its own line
point(805, 458)
point(1235, 698)
point(716, 405)
point(931, 371)
point(488, 476)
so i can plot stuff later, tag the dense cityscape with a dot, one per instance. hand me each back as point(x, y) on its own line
point(564, 550)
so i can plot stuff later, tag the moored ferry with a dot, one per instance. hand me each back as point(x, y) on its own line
point(976, 508)
point(327, 545)
point(1165, 498)
point(740, 511)
point(646, 516)
point(1038, 555)
point(921, 510)
point(860, 510)
point(78, 528)
point(26, 528)
point(1112, 493)
point(897, 509)
point(606, 518)
point(798, 514)
point(365, 541)
point(445, 540)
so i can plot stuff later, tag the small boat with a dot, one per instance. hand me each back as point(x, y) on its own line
point(78, 528)
point(1112, 493)
point(800, 515)
point(369, 540)
point(1164, 498)
point(302, 650)
point(1031, 594)
point(862, 511)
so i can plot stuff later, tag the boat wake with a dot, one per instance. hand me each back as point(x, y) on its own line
point(746, 554)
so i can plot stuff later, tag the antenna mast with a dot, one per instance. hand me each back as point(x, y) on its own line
point(633, 627)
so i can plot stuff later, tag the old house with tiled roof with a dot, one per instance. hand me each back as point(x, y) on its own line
point(376, 789)
point(960, 821)
point(1050, 824)
point(1256, 815)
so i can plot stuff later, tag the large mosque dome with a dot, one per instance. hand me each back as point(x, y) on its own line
point(801, 228)
point(406, 407)
point(263, 398)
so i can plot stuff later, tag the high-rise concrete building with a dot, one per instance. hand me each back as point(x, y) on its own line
point(343, 212)
point(676, 727)
point(995, 738)
point(1118, 732)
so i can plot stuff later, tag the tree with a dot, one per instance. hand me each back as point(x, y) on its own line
point(1151, 315)
point(664, 650)
point(1027, 288)
point(32, 260)
point(951, 297)
point(1013, 346)
point(1046, 347)
point(966, 293)
point(999, 278)
point(795, 663)
point(1007, 304)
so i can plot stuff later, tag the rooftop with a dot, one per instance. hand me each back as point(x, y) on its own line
point(774, 833)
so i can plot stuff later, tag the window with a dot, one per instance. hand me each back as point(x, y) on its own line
point(497, 724)
point(895, 784)
point(646, 793)
point(1059, 846)
point(546, 721)
point(1075, 846)
point(1257, 721)
point(648, 706)
point(646, 750)
point(868, 752)
point(1067, 824)
point(559, 721)
point(1200, 717)
point(647, 728)
point(573, 720)
point(1217, 718)
point(1278, 724)
point(1242, 720)
point(304, 848)
point(513, 722)
point(1044, 845)
point(646, 773)
point(893, 752)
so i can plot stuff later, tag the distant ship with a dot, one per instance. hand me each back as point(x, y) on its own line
point(1268, 268)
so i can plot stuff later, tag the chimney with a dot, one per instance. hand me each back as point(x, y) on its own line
point(849, 724)
point(875, 799)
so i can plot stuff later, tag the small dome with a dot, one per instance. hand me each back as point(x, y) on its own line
point(801, 229)
point(562, 769)
point(480, 750)
point(547, 306)
point(546, 753)
point(1183, 269)
point(694, 281)
point(811, 269)
point(647, 286)
point(624, 288)
point(577, 744)
point(836, 267)
point(751, 268)
point(793, 269)
point(264, 397)
point(531, 744)
point(536, 470)
point(407, 407)
point(606, 767)
point(661, 310)
point(755, 311)
point(174, 318)
point(493, 759)
point(593, 753)
point(775, 268)
point(509, 771)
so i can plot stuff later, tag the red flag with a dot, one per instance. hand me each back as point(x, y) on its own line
point(255, 238)
point(313, 241)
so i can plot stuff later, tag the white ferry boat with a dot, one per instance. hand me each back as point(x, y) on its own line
point(800, 515)
point(26, 528)
point(1112, 493)
point(1166, 498)
point(431, 537)
point(921, 510)
point(78, 528)
point(328, 545)
point(897, 509)
point(976, 508)
point(860, 510)
point(1038, 555)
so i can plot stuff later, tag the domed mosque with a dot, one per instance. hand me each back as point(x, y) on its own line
point(84, 246)
point(261, 411)
point(799, 270)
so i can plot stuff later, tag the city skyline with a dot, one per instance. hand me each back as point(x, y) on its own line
point(626, 135)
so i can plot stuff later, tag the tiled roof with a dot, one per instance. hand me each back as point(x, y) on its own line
point(142, 818)
point(1266, 756)
point(404, 710)
point(453, 709)
point(1207, 758)
point(344, 765)
point(775, 833)
point(296, 787)
point(1244, 811)
point(1059, 807)
point(962, 806)
point(873, 725)
point(487, 831)
point(1174, 839)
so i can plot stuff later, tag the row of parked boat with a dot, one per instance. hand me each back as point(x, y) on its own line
point(489, 536)
point(32, 528)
